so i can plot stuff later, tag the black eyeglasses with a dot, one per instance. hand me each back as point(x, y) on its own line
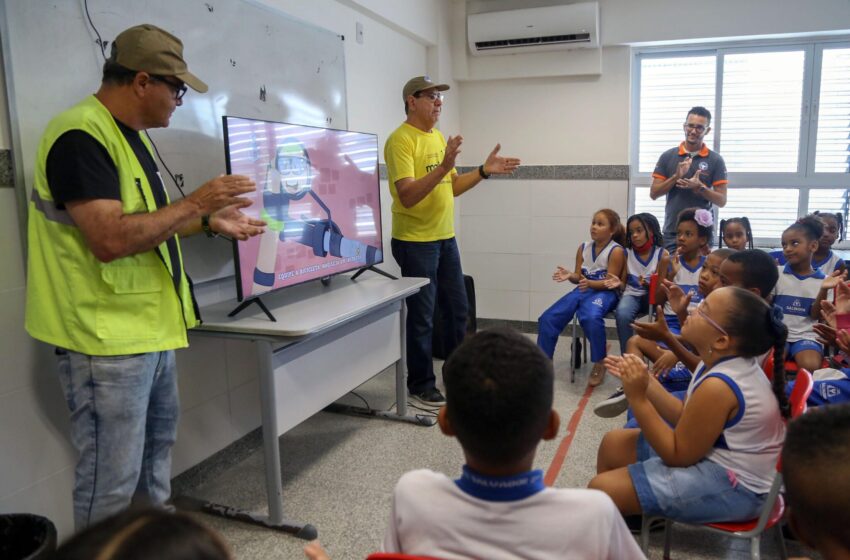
point(697, 127)
point(179, 90)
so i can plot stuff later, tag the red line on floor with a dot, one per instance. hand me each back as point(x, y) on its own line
point(561, 455)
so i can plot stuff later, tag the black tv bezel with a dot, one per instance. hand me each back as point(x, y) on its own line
point(240, 296)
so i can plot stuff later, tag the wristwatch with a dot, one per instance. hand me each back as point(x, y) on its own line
point(205, 225)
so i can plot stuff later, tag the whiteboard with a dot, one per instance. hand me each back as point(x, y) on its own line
point(238, 47)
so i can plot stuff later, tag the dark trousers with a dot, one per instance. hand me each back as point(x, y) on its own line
point(439, 262)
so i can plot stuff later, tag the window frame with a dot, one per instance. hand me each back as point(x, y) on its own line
point(805, 178)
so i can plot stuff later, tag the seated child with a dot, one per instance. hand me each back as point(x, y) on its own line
point(643, 259)
point(832, 385)
point(693, 233)
point(800, 289)
point(661, 352)
point(823, 258)
point(145, 533)
point(753, 270)
point(717, 461)
point(673, 363)
point(499, 391)
point(736, 233)
point(817, 482)
point(600, 265)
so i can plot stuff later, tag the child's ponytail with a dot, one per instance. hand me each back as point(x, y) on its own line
point(780, 333)
point(756, 326)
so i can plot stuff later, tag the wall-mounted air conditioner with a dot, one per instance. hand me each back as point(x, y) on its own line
point(529, 30)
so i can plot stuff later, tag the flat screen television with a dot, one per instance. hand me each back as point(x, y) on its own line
point(318, 191)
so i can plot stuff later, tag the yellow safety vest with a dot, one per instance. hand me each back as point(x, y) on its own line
point(74, 301)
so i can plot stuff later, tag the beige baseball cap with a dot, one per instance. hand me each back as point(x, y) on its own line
point(147, 48)
point(419, 83)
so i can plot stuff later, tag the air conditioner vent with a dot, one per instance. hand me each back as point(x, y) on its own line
point(526, 41)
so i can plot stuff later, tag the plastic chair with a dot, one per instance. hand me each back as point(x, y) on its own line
point(650, 318)
point(574, 335)
point(790, 366)
point(774, 505)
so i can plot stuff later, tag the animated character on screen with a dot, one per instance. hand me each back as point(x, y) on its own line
point(289, 178)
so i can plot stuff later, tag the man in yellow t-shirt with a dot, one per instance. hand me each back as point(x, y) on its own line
point(423, 183)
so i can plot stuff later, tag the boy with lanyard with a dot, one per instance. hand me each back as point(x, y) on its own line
point(499, 392)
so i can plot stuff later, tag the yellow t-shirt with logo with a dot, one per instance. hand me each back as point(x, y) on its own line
point(410, 152)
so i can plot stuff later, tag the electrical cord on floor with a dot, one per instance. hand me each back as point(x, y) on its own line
point(365, 402)
point(427, 413)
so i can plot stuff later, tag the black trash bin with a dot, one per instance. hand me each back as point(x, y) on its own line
point(24, 536)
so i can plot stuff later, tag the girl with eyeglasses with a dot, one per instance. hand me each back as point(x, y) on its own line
point(712, 457)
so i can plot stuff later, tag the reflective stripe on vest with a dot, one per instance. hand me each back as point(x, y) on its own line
point(50, 211)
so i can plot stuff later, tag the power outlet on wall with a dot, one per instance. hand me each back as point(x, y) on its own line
point(359, 33)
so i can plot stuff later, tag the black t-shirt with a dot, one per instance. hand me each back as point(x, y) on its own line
point(80, 168)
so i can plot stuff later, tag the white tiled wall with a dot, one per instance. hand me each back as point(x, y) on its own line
point(218, 381)
point(513, 233)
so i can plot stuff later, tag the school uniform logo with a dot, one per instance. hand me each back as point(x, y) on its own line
point(829, 391)
point(702, 166)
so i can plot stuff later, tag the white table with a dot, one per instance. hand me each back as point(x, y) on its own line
point(326, 341)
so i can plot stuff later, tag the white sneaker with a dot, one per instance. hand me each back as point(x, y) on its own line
point(613, 406)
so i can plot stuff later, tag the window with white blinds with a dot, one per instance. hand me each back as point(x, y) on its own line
point(834, 201)
point(645, 204)
point(669, 87)
point(762, 105)
point(833, 140)
point(775, 209)
point(782, 124)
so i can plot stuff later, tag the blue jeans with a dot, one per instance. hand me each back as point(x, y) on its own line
point(439, 262)
point(591, 306)
point(627, 311)
point(124, 412)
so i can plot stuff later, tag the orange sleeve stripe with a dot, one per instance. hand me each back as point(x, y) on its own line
point(720, 182)
point(659, 176)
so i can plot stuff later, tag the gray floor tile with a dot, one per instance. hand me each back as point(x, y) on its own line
point(339, 471)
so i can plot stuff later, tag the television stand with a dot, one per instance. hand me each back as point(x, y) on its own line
point(375, 270)
point(248, 302)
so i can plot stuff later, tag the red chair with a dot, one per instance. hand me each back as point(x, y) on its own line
point(790, 366)
point(774, 505)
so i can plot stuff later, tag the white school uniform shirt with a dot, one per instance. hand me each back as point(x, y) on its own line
point(795, 295)
point(751, 441)
point(432, 516)
point(636, 268)
point(829, 264)
point(593, 266)
point(688, 279)
point(826, 265)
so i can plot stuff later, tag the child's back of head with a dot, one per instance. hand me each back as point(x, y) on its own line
point(140, 533)
point(499, 390)
point(817, 480)
point(752, 270)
